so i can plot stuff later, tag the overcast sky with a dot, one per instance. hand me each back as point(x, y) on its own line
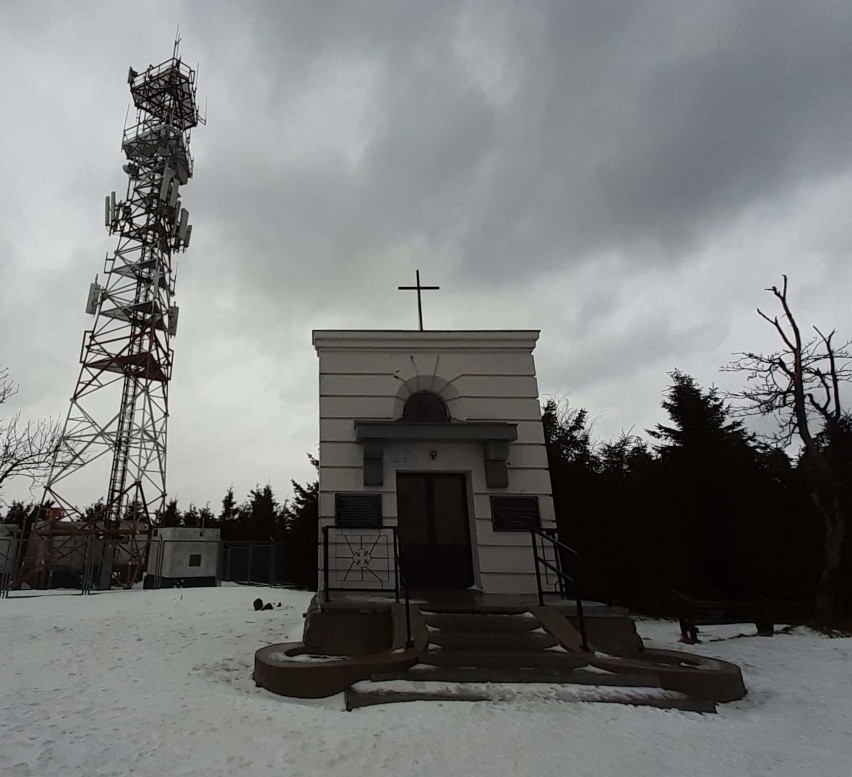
point(626, 177)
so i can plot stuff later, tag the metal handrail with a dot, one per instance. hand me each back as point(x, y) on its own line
point(399, 579)
point(561, 575)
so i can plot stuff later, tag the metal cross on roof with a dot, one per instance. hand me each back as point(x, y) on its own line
point(418, 288)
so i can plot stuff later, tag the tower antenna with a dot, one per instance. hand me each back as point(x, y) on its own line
point(120, 407)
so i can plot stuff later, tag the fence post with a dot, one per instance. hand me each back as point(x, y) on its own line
point(220, 550)
point(88, 572)
point(161, 553)
point(8, 559)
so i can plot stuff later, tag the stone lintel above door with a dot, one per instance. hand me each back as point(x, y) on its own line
point(495, 437)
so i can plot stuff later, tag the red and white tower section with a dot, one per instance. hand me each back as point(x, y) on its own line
point(120, 407)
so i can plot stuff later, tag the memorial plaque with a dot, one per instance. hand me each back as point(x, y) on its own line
point(400, 454)
point(358, 511)
point(515, 513)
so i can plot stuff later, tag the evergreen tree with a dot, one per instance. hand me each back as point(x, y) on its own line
point(206, 517)
point(701, 425)
point(584, 519)
point(706, 510)
point(710, 464)
point(835, 442)
point(567, 435)
point(230, 511)
point(95, 511)
point(19, 513)
point(622, 457)
point(261, 516)
point(301, 543)
point(171, 516)
point(191, 517)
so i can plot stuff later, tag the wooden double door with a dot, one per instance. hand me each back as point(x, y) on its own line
point(434, 531)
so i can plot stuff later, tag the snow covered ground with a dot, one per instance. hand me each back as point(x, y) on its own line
point(159, 683)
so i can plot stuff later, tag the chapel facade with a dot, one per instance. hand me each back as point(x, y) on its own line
point(432, 452)
point(433, 485)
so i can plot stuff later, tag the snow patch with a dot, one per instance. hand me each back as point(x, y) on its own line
point(160, 682)
point(303, 658)
point(519, 691)
point(597, 670)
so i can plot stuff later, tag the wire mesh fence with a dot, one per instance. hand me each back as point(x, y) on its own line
point(99, 565)
point(253, 563)
point(10, 543)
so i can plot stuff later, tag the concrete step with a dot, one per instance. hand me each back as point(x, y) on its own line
point(505, 658)
point(365, 694)
point(475, 623)
point(481, 609)
point(472, 674)
point(505, 641)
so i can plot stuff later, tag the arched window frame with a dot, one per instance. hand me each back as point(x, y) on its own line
point(425, 407)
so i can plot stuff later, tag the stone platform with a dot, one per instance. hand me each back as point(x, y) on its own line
point(464, 643)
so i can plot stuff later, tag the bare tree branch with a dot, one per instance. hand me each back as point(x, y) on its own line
point(835, 382)
point(7, 388)
point(800, 387)
point(26, 449)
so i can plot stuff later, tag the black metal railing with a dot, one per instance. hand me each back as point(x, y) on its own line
point(359, 560)
point(565, 559)
point(401, 582)
point(365, 560)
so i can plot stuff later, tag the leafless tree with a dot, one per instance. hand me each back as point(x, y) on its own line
point(799, 385)
point(26, 448)
point(7, 388)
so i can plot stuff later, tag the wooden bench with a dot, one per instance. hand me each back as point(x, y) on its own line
point(693, 613)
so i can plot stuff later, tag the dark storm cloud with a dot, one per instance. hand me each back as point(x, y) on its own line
point(519, 137)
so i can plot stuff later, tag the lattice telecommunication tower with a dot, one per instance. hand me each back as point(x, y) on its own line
point(120, 406)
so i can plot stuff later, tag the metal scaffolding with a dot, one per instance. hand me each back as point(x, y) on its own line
point(120, 405)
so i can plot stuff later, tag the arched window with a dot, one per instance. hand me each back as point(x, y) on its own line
point(425, 407)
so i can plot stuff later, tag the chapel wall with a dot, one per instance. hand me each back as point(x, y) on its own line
point(491, 381)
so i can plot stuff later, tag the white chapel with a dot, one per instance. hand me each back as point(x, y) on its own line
point(438, 435)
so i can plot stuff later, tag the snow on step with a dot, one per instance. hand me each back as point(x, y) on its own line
point(304, 658)
point(413, 690)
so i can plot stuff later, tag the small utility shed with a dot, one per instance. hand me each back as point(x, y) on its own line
point(183, 556)
point(430, 442)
